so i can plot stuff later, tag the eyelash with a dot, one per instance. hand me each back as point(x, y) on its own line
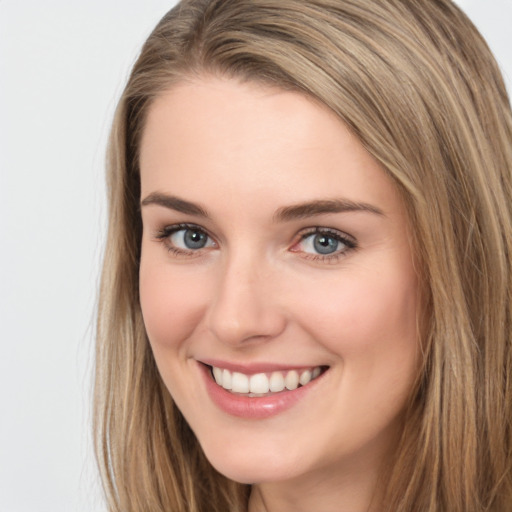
point(349, 242)
point(164, 235)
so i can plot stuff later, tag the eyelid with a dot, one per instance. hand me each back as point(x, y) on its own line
point(350, 243)
point(173, 228)
point(347, 240)
point(163, 235)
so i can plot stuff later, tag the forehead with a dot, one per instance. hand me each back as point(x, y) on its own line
point(216, 136)
point(220, 115)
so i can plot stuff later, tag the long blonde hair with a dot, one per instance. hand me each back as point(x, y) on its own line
point(416, 83)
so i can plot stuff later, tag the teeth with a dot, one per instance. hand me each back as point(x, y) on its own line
point(240, 383)
point(258, 383)
point(226, 379)
point(291, 381)
point(217, 374)
point(305, 377)
point(261, 384)
point(276, 382)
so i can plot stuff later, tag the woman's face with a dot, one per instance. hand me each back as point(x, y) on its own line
point(275, 253)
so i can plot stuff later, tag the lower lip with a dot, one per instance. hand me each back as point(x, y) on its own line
point(254, 407)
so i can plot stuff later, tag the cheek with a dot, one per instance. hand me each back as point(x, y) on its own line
point(364, 313)
point(171, 303)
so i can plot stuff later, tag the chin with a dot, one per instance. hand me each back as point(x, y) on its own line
point(254, 466)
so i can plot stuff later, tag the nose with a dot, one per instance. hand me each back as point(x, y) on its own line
point(245, 308)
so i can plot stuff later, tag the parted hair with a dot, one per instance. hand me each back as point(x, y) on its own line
point(418, 86)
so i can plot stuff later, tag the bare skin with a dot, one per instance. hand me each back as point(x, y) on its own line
point(272, 236)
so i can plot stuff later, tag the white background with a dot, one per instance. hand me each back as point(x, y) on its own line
point(62, 67)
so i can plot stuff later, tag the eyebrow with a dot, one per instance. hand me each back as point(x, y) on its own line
point(321, 207)
point(284, 214)
point(174, 203)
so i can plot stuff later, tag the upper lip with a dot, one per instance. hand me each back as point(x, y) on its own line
point(255, 367)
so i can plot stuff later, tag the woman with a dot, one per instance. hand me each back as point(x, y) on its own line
point(306, 298)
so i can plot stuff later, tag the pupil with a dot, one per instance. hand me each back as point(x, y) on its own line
point(325, 244)
point(194, 239)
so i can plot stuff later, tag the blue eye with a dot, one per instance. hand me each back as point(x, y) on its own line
point(191, 239)
point(185, 239)
point(325, 243)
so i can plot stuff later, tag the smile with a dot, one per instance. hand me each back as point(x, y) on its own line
point(264, 384)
